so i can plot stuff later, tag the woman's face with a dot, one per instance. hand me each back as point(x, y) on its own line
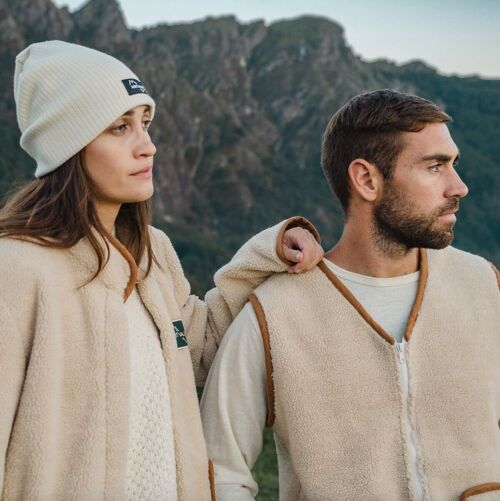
point(120, 160)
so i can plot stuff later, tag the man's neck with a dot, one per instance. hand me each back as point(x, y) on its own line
point(357, 251)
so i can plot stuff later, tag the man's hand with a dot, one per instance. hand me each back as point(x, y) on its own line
point(300, 247)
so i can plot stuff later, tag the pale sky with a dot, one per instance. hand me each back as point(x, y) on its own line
point(455, 36)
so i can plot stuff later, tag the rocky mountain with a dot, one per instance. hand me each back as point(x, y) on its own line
point(240, 113)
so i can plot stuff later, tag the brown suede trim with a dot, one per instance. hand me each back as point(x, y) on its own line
point(134, 271)
point(211, 478)
point(497, 273)
point(422, 282)
point(480, 489)
point(357, 305)
point(293, 222)
point(259, 312)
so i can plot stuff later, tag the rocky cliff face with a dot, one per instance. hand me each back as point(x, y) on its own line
point(241, 111)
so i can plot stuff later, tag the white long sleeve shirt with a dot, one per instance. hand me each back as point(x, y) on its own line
point(234, 404)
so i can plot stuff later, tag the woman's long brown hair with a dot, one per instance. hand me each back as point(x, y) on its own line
point(58, 210)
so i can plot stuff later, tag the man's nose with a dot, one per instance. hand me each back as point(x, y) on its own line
point(456, 187)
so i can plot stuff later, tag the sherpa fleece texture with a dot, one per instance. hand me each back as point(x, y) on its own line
point(337, 382)
point(64, 362)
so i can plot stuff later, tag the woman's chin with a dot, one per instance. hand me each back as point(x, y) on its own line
point(139, 196)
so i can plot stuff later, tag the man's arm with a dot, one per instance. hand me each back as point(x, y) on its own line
point(234, 408)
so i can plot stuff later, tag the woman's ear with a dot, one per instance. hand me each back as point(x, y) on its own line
point(365, 178)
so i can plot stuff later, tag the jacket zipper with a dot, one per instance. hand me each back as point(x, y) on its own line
point(409, 428)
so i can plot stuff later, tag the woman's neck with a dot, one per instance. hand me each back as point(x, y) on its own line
point(107, 212)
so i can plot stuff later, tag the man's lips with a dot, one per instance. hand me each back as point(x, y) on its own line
point(449, 210)
point(449, 215)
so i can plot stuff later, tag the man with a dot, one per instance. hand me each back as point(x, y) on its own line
point(379, 371)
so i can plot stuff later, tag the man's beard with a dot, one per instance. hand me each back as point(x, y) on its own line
point(399, 226)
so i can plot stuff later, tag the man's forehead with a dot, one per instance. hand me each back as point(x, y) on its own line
point(432, 141)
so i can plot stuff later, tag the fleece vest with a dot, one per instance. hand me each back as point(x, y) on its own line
point(341, 406)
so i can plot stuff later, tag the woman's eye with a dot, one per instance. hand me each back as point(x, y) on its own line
point(146, 124)
point(119, 128)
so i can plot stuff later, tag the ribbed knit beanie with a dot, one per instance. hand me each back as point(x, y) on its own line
point(66, 95)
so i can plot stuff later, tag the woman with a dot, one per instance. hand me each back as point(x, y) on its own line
point(97, 390)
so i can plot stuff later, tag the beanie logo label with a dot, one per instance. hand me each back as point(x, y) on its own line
point(134, 86)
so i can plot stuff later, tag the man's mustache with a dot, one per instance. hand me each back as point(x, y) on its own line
point(452, 204)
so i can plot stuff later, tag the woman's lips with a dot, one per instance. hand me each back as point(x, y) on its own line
point(147, 172)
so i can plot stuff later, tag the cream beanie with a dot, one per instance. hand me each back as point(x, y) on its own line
point(66, 95)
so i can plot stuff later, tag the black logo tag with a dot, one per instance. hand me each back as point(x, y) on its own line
point(179, 334)
point(134, 86)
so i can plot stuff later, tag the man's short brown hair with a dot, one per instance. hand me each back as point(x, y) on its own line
point(369, 126)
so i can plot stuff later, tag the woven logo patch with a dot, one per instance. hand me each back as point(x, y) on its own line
point(179, 334)
point(134, 86)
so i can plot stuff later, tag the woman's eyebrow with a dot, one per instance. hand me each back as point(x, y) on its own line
point(132, 112)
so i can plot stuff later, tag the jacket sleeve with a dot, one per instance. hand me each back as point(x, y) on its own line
point(206, 322)
point(12, 370)
point(497, 274)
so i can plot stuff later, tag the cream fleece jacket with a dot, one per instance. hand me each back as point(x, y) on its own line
point(64, 362)
point(343, 399)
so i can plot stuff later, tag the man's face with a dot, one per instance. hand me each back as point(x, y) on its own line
point(418, 204)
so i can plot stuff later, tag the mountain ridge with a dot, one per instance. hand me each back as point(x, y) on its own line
point(241, 109)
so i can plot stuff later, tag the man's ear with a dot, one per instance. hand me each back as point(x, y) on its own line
point(366, 179)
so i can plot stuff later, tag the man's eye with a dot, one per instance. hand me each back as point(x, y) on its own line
point(435, 168)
